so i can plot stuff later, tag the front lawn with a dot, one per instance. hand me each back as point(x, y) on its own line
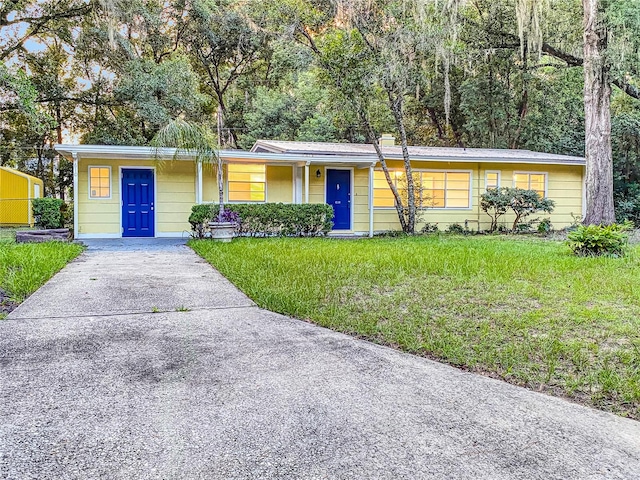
point(523, 310)
point(27, 266)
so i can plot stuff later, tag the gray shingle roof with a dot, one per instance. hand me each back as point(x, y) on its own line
point(417, 152)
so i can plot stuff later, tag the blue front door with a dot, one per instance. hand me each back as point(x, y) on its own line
point(137, 202)
point(339, 197)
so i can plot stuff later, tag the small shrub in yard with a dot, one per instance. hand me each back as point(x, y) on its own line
point(47, 212)
point(456, 228)
point(545, 226)
point(268, 219)
point(595, 240)
point(525, 202)
point(495, 202)
point(430, 228)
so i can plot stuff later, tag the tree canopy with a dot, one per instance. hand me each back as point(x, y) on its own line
point(487, 73)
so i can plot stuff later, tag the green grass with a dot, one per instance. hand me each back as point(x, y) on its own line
point(523, 310)
point(25, 267)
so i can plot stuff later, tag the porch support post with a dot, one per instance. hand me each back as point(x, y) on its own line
point(306, 182)
point(371, 200)
point(198, 182)
point(76, 159)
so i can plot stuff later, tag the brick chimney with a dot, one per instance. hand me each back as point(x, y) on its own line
point(387, 140)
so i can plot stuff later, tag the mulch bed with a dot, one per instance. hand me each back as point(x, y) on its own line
point(6, 305)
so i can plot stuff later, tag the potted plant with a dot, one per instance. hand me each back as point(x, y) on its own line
point(198, 141)
point(223, 228)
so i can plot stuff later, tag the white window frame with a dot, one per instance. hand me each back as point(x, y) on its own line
point(486, 174)
point(226, 181)
point(89, 167)
point(374, 189)
point(445, 170)
point(524, 172)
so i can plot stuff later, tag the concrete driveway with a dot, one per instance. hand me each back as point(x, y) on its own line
point(95, 385)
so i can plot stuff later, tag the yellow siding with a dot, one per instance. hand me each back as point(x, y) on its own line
point(316, 185)
point(175, 195)
point(209, 184)
point(564, 187)
point(16, 192)
point(176, 183)
point(361, 200)
point(279, 184)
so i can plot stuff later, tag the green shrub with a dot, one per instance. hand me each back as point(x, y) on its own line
point(47, 212)
point(430, 228)
point(496, 201)
point(268, 219)
point(455, 228)
point(594, 240)
point(200, 215)
point(627, 203)
point(524, 227)
point(525, 202)
point(545, 226)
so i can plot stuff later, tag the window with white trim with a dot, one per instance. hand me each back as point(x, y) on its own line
point(246, 182)
point(382, 194)
point(492, 179)
point(531, 181)
point(434, 189)
point(99, 182)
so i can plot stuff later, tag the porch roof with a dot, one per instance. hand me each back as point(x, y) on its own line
point(119, 152)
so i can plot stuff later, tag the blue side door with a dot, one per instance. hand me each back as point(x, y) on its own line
point(339, 197)
point(137, 202)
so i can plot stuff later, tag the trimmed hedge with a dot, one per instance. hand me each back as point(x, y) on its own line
point(268, 219)
point(48, 212)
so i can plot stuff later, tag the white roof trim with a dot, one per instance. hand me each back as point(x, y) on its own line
point(117, 152)
point(419, 153)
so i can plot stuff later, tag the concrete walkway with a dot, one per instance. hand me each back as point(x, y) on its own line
point(95, 385)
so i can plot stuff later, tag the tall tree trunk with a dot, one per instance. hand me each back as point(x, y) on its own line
point(395, 102)
point(223, 109)
point(597, 101)
point(436, 123)
point(56, 158)
point(387, 174)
